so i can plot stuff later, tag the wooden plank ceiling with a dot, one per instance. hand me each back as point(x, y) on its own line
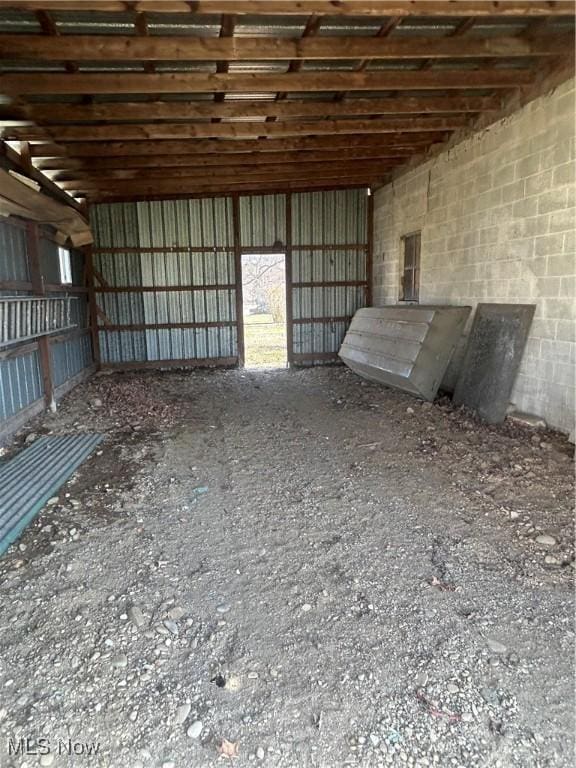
point(131, 100)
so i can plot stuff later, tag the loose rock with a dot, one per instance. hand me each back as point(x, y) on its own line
point(182, 713)
point(195, 729)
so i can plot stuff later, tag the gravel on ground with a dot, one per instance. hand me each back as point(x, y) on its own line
point(291, 568)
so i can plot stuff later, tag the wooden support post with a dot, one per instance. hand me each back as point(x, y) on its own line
point(370, 249)
point(289, 320)
point(92, 306)
point(238, 279)
point(33, 251)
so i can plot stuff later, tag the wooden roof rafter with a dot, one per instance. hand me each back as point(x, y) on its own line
point(355, 89)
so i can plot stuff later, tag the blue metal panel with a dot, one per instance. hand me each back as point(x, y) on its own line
point(13, 261)
point(70, 357)
point(49, 260)
point(20, 384)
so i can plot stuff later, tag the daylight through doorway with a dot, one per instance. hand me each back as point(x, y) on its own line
point(264, 309)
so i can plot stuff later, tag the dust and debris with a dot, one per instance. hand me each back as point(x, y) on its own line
point(289, 568)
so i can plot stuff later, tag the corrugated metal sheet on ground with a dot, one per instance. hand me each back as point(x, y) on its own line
point(29, 479)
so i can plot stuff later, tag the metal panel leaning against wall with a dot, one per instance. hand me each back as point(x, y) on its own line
point(165, 282)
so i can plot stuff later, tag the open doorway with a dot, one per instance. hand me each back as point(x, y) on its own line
point(264, 309)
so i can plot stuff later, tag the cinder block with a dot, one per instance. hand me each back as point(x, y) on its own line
point(564, 374)
point(561, 309)
point(562, 220)
point(560, 265)
point(548, 287)
point(566, 330)
point(549, 245)
point(552, 200)
point(526, 207)
point(528, 166)
point(568, 286)
point(565, 174)
point(554, 350)
point(504, 175)
point(538, 183)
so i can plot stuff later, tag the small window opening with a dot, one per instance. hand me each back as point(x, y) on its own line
point(410, 278)
point(65, 266)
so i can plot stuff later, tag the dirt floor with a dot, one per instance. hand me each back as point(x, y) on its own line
point(291, 569)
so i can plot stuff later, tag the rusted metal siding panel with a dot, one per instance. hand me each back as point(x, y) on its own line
point(180, 244)
point(263, 221)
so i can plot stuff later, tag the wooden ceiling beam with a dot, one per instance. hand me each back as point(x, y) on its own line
point(145, 186)
point(249, 188)
point(376, 8)
point(178, 110)
point(103, 177)
point(220, 146)
point(224, 49)
point(386, 80)
point(101, 165)
point(240, 129)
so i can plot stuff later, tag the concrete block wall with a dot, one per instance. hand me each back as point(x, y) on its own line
point(497, 217)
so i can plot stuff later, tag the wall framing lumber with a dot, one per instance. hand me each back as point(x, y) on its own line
point(164, 288)
point(92, 306)
point(289, 284)
point(238, 275)
point(33, 253)
point(204, 362)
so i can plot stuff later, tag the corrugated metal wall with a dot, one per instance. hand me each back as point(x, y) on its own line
point(329, 263)
point(167, 273)
point(21, 380)
point(166, 281)
point(262, 222)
